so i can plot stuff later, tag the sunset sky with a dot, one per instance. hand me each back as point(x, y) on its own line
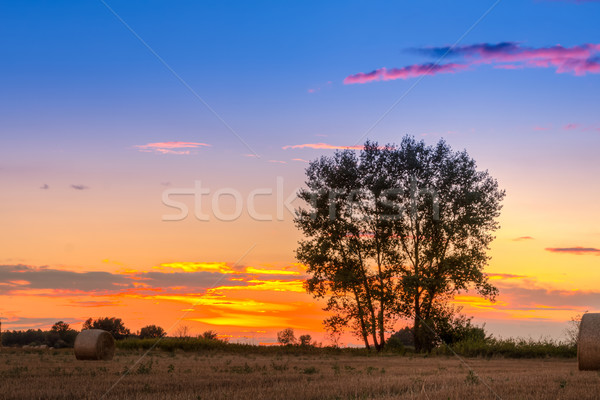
point(107, 108)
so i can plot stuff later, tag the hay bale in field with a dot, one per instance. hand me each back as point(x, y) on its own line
point(94, 344)
point(588, 342)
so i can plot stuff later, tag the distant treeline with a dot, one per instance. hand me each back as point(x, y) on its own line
point(62, 335)
point(59, 336)
point(469, 341)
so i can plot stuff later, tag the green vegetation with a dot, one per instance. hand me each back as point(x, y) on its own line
point(490, 347)
point(510, 348)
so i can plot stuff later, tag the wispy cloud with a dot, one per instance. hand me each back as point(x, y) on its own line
point(300, 160)
point(493, 276)
point(577, 60)
point(574, 250)
point(278, 161)
point(321, 146)
point(170, 147)
point(570, 127)
point(79, 187)
point(521, 238)
point(411, 71)
point(45, 186)
point(318, 88)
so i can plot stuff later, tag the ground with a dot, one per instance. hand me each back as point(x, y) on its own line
point(55, 374)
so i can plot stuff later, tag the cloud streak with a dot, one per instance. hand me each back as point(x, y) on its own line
point(522, 238)
point(79, 187)
point(577, 60)
point(411, 71)
point(321, 146)
point(170, 147)
point(574, 250)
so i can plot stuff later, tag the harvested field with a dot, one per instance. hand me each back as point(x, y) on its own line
point(55, 374)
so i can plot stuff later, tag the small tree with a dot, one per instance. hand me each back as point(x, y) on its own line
point(183, 332)
point(286, 337)
point(61, 335)
point(305, 340)
point(572, 331)
point(113, 325)
point(151, 332)
point(209, 335)
point(60, 327)
point(404, 337)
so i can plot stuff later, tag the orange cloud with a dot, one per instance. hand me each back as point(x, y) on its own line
point(252, 270)
point(267, 285)
point(220, 267)
point(250, 321)
point(493, 276)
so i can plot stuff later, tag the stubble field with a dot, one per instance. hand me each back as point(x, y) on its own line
point(55, 374)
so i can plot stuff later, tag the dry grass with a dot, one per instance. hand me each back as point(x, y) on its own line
point(55, 374)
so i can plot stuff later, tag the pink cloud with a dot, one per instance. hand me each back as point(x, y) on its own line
point(278, 161)
point(170, 147)
point(411, 71)
point(521, 238)
point(540, 128)
point(571, 126)
point(322, 146)
point(577, 60)
point(300, 159)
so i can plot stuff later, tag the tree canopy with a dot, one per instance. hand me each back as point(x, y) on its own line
point(395, 232)
point(113, 325)
point(151, 332)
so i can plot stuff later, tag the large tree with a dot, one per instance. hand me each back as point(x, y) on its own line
point(396, 231)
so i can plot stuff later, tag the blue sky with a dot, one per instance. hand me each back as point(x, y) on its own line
point(80, 94)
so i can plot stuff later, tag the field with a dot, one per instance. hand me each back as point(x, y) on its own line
point(55, 374)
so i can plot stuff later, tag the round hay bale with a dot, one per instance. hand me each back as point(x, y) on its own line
point(588, 342)
point(94, 344)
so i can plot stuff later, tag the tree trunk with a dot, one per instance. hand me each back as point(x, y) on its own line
point(363, 328)
point(417, 327)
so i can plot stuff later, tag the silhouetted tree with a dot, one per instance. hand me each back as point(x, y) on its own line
point(60, 327)
point(305, 340)
point(404, 336)
point(183, 332)
point(61, 335)
point(210, 335)
point(395, 232)
point(113, 325)
point(572, 330)
point(286, 337)
point(151, 332)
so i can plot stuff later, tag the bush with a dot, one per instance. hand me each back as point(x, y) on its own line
point(151, 332)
